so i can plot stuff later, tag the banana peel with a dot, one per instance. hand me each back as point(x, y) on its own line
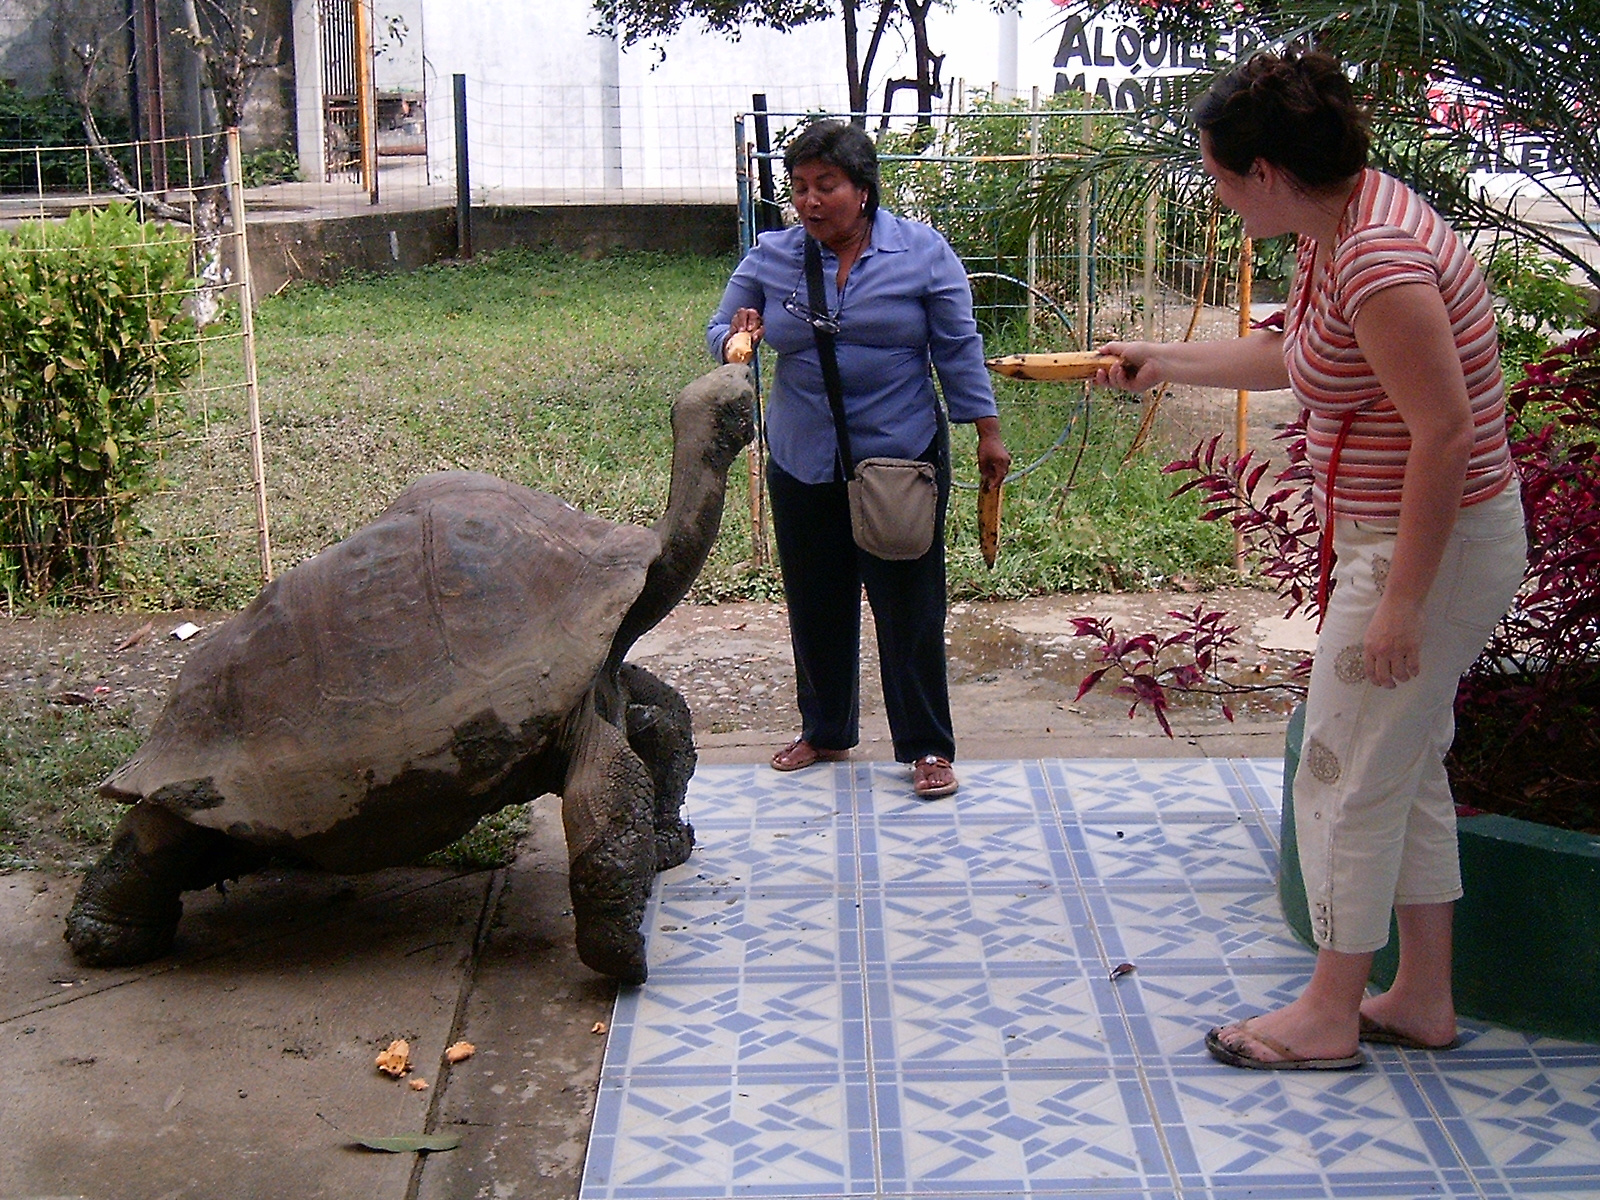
point(1076, 364)
point(989, 523)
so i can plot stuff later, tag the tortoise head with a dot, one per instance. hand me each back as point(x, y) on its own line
point(715, 417)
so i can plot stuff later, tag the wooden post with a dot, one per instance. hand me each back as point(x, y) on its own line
point(1033, 226)
point(1147, 326)
point(1084, 333)
point(247, 331)
point(155, 106)
point(366, 102)
point(1241, 407)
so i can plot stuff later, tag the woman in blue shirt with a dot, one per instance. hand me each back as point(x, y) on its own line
point(897, 301)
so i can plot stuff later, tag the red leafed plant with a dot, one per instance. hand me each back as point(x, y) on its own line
point(1528, 742)
point(1189, 660)
point(1279, 528)
point(1528, 711)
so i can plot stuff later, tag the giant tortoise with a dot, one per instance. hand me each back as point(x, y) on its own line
point(460, 653)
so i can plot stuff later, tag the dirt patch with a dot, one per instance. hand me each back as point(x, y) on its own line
point(731, 662)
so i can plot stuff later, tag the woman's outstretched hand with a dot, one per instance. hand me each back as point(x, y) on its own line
point(1137, 371)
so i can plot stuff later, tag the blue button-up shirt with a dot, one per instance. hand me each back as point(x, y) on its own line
point(906, 304)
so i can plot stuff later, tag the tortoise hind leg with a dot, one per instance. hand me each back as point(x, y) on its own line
point(661, 734)
point(128, 906)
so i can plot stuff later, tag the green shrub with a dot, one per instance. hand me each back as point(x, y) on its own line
point(1533, 304)
point(92, 343)
point(983, 207)
point(261, 167)
point(42, 139)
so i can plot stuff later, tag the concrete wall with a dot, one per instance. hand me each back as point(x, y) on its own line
point(25, 58)
point(325, 249)
point(268, 120)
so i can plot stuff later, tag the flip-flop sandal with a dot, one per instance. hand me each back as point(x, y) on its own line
point(933, 778)
point(799, 754)
point(1381, 1035)
point(1288, 1060)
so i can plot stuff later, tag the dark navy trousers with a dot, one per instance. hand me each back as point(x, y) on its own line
point(823, 574)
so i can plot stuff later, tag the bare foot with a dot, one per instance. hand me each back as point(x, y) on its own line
point(1243, 1045)
point(1425, 1024)
point(1302, 1031)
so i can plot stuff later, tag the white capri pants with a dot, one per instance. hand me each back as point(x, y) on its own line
point(1373, 811)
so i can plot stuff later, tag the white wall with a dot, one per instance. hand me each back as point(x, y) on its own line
point(553, 108)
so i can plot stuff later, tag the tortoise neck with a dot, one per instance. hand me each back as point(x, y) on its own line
point(687, 529)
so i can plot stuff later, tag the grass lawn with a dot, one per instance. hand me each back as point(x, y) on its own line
point(558, 372)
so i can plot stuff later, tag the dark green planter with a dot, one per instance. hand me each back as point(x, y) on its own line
point(1527, 947)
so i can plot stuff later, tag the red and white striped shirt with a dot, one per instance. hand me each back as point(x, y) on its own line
point(1388, 235)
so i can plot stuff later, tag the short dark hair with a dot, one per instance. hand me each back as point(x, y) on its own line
point(839, 144)
point(1294, 110)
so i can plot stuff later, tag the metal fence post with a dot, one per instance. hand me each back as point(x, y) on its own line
point(767, 215)
point(463, 180)
point(741, 177)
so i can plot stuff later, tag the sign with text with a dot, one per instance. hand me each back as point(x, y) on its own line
point(1122, 63)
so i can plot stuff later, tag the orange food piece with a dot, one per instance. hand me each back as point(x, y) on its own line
point(1076, 364)
point(739, 348)
point(396, 1060)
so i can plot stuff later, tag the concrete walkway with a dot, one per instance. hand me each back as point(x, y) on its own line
point(243, 1065)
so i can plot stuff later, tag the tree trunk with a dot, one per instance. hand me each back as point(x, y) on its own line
point(852, 62)
point(928, 64)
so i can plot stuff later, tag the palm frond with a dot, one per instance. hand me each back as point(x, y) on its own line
point(1450, 86)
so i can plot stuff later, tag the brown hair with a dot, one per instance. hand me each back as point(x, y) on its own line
point(1294, 110)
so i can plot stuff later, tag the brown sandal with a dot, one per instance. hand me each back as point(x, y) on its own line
point(799, 754)
point(933, 777)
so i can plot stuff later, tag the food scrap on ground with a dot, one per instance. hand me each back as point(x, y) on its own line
point(396, 1060)
point(459, 1052)
point(599, 1027)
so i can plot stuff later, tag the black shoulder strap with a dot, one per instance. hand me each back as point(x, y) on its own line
point(817, 300)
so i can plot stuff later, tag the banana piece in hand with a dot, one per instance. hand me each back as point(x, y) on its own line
point(989, 523)
point(738, 348)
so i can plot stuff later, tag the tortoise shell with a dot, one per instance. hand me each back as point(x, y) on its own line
point(391, 684)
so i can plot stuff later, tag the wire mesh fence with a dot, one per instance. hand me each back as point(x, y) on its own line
point(528, 144)
point(130, 442)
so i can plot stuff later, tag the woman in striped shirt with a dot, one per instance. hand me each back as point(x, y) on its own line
point(1389, 343)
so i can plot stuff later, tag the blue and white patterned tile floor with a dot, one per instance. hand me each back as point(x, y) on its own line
point(856, 994)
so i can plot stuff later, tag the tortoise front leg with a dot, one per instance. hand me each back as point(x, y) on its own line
point(607, 810)
point(661, 733)
point(128, 906)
